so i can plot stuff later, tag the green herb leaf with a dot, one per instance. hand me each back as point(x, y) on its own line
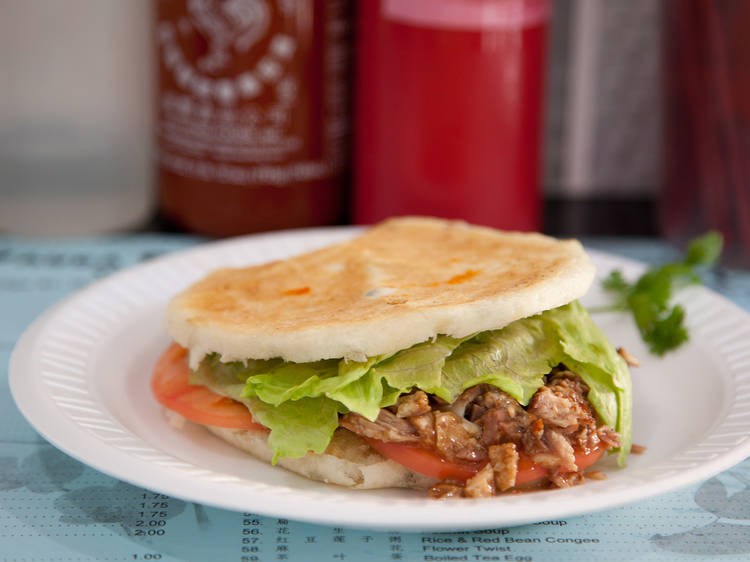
point(662, 326)
point(704, 250)
point(615, 282)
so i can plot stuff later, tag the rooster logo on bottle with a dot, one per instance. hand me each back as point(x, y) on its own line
point(227, 29)
point(230, 24)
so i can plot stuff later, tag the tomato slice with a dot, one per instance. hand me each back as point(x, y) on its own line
point(430, 464)
point(170, 386)
point(425, 461)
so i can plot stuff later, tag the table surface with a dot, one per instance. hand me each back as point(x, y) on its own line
point(53, 508)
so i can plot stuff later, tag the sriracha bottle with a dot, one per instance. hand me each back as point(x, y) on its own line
point(251, 113)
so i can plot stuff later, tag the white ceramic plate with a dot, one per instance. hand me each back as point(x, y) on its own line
point(80, 375)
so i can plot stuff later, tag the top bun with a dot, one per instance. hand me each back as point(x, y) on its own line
point(400, 283)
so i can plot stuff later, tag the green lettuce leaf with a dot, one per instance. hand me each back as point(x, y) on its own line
point(358, 386)
point(291, 381)
point(289, 436)
point(419, 366)
point(227, 379)
point(588, 352)
point(297, 426)
point(515, 359)
point(364, 395)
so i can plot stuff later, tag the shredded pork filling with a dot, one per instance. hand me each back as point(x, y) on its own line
point(485, 424)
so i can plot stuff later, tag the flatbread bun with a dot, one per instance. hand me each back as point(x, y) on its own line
point(348, 461)
point(400, 283)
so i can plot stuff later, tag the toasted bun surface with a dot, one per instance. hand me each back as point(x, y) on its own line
point(400, 283)
point(348, 461)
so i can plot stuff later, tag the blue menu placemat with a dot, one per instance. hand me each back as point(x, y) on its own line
point(55, 509)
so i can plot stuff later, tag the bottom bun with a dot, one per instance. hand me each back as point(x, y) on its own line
point(348, 461)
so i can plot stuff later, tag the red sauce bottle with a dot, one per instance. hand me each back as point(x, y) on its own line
point(251, 113)
point(448, 110)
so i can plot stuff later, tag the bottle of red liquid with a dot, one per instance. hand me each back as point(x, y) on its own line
point(251, 113)
point(448, 110)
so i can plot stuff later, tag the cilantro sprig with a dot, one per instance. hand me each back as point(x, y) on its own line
point(662, 325)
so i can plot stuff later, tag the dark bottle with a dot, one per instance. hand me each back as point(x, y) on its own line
point(706, 127)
